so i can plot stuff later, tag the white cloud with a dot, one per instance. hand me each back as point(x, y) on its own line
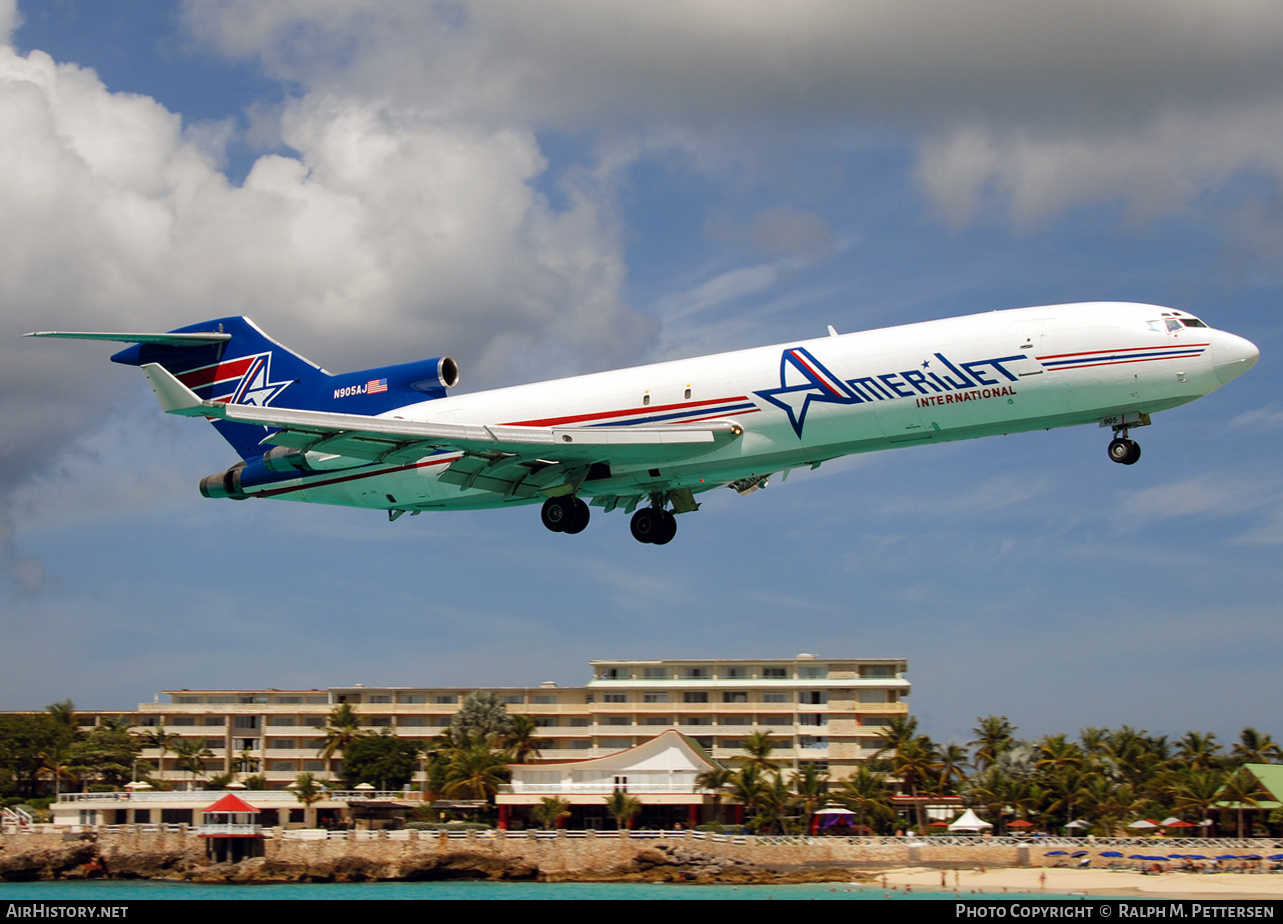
point(1046, 105)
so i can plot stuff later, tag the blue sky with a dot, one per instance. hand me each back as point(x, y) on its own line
point(547, 189)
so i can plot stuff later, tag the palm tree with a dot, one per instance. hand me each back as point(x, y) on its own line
point(994, 735)
point(759, 746)
point(192, 755)
point(344, 728)
point(475, 771)
point(308, 790)
point(811, 786)
point(866, 793)
point(162, 741)
point(1242, 791)
point(550, 811)
point(715, 780)
point(623, 808)
point(1253, 747)
point(522, 742)
point(1198, 750)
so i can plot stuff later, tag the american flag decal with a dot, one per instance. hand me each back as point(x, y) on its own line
point(376, 386)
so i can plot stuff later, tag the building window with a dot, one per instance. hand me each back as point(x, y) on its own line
point(580, 744)
point(613, 673)
point(445, 700)
point(183, 720)
point(655, 673)
point(614, 698)
point(775, 673)
point(289, 700)
point(654, 697)
point(413, 698)
point(413, 721)
point(873, 696)
point(656, 720)
point(617, 720)
point(579, 722)
point(697, 673)
point(512, 699)
point(877, 671)
point(775, 697)
point(245, 744)
point(735, 720)
point(735, 697)
point(281, 720)
point(735, 673)
point(218, 720)
point(812, 672)
point(545, 723)
point(281, 744)
point(246, 721)
point(813, 697)
point(690, 697)
point(544, 700)
point(379, 721)
point(812, 718)
point(314, 721)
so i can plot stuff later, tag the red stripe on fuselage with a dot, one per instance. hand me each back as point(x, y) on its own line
point(1148, 349)
point(605, 415)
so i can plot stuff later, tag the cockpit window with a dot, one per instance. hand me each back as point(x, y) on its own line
point(1173, 324)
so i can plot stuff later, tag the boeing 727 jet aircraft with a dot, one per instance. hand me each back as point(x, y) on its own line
point(649, 439)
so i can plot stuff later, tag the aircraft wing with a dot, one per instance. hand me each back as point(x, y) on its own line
point(390, 439)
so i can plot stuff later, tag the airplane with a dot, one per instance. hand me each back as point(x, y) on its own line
point(649, 439)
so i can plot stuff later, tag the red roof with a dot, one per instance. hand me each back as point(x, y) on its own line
point(231, 803)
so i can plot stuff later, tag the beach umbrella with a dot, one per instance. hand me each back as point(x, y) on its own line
point(1057, 853)
point(1080, 853)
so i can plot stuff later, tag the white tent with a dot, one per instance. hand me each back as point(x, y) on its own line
point(969, 821)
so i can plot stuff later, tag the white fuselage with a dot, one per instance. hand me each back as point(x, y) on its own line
point(804, 402)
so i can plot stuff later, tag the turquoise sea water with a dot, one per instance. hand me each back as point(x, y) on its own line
point(478, 891)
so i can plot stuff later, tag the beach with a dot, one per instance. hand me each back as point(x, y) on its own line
point(1126, 883)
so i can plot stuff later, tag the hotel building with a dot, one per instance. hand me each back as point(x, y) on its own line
point(825, 711)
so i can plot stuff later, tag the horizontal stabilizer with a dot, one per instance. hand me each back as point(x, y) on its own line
point(176, 340)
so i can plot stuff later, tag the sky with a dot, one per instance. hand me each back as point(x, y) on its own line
point(546, 189)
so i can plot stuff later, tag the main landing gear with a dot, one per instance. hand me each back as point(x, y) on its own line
point(564, 514)
point(1122, 450)
point(654, 525)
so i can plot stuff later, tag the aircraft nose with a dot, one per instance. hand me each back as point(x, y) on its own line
point(1232, 356)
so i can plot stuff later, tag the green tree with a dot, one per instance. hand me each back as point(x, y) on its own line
point(475, 771)
point(550, 811)
point(523, 742)
point(192, 754)
point(308, 790)
point(623, 808)
point(108, 754)
point(480, 714)
point(384, 761)
point(344, 727)
point(867, 794)
point(994, 735)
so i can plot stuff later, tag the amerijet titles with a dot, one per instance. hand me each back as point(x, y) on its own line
point(945, 384)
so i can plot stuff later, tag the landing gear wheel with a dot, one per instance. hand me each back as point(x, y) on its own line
point(667, 528)
point(645, 524)
point(1124, 451)
point(579, 519)
point(559, 513)
point(651, 524)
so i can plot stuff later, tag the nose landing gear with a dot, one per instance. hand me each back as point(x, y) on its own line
point(1123, 450)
